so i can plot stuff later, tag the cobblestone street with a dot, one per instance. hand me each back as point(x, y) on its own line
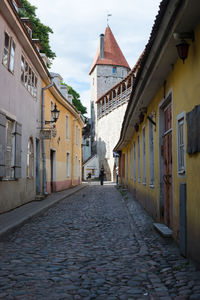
point(94, 245)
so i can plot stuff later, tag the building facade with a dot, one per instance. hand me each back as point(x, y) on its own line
point(36, 158)
point(159, 142)
point(108, 69)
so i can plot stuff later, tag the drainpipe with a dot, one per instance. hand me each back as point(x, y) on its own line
point(43, 140)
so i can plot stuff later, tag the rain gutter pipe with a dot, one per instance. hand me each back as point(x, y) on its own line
point(43, 139)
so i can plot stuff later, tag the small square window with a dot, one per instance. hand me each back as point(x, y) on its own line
point(114, 70)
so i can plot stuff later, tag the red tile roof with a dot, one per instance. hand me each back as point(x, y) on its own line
point(112, 53)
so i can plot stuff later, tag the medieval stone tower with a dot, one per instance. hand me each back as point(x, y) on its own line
point(108, 69)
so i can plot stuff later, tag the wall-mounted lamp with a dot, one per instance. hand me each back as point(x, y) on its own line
point(182, 46)
point(136, 127)
point(143, 111)
point(54, 114)
point(182, 49)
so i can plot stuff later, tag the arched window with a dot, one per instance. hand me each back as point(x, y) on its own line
point(30, 159)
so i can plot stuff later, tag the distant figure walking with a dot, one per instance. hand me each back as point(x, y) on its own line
point(101, 175)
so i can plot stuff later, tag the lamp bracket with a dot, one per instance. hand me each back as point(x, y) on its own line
point(184, 36)
point(151, 120)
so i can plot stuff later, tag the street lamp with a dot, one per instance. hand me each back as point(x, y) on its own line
point(54, 114)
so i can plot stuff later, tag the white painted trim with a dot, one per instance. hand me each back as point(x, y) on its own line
point(179, 117)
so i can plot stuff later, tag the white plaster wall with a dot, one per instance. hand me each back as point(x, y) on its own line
point(93, 163)
point(109, 128)
point(102, 80)
point(17, 102)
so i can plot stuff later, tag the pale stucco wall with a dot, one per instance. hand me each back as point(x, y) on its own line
point(19, 105)
point(109, 128)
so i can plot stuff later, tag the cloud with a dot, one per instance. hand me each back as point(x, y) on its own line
point(77, 26)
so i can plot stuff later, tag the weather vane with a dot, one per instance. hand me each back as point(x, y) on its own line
point(108, 15)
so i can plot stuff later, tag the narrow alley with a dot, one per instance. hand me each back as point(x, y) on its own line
point(94, 245)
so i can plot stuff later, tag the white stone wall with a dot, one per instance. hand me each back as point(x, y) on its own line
point(106, 79)
point(92, 164)
point(102, 80)
point(109, 128)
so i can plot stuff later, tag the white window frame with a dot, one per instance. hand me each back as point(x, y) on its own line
point(67, 126)
point(30, 159)
point(144, 155)
point(138, 156)
point(151, 156)
point(28, 77)
point(181, 121)
point(10, 148)
point(9, 52)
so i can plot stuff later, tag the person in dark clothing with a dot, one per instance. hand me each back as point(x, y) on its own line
point(101, 175)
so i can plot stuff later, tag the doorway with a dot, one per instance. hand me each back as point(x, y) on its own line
point(166, 160)
point(53, 170)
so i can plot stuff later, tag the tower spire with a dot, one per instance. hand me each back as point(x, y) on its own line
point(108, 15)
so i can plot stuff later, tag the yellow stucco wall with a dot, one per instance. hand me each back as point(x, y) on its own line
point(61, 145)
point(184, 85)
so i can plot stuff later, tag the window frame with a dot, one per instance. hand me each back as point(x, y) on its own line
point(10, 167)
point(144, 173)
point(30, 159)
point(139, 160)
point(151, 155)
point(181, 170)
point(28, 77)
point(10, 55)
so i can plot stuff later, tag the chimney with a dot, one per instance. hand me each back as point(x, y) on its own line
point(102, 46)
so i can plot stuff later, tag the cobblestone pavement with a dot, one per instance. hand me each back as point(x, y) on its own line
point(94, 245)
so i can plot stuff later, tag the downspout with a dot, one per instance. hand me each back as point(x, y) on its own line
point(43, 140)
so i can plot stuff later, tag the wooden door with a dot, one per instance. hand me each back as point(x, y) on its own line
point(167, 177)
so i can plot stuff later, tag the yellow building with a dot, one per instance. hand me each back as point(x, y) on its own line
point(62, 145)
point(160, 136)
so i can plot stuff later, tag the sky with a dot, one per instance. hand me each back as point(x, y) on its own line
point(77, 25)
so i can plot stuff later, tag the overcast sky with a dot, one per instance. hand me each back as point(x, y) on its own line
point(77, 25)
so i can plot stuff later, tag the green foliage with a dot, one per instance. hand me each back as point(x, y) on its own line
point(76, 101)
point(40, 31)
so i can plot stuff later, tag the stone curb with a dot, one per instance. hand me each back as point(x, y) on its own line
point(10, 221)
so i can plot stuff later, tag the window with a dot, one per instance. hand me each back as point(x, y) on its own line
point(10, 149)
point(68, 165)
point(181, 143)
point(151, 155)
point(30, 159)
point(10, 145)
point(28, 77)
point(139, 173)
point(76, 134)
point(144, 156)
point(114, 70)
point(134, 156)
point(131, 162)
point(67, 127)
point(9, 52)
point(12, 57)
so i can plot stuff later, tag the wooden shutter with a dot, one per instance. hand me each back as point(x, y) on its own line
point(18, 138)
point(2, 143)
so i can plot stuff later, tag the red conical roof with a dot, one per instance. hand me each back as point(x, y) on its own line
point(112, 53)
